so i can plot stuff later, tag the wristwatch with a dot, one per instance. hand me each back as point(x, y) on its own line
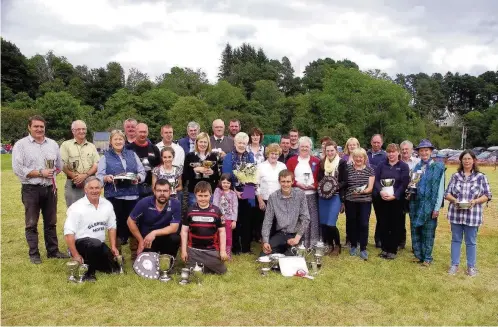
point(40, 173)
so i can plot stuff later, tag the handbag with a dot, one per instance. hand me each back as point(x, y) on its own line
point(327, 187)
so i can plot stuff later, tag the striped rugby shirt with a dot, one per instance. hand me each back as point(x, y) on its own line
point(203, 227)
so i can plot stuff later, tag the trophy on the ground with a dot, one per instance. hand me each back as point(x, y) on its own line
point(195, 165)
point(388, 185)
point(301, 251)
point(120, 261)
point(185, 275)
point(82, 270)
point(166, 263)
point(314, 267)
point(265, 264)
point(319, 251)
point(411, 190)
point(207, 164)
point(198, 272)
point(72, 270)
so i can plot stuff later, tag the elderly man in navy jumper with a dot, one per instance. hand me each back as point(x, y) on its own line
point(376, 156)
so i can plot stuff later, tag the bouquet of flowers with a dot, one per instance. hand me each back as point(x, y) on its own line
point(246, 173)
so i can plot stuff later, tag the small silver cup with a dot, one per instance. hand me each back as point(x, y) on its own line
point(50, 163)
point(82, 270)
point(185, 275)
point(314, 268)
point(72, 270)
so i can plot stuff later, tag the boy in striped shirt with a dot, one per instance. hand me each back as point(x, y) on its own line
point(203, 233)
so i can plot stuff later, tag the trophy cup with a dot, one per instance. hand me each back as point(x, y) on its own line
point(50, 163)
point(320, 249)
point(72, 269)
point(195, 165)
point(314, 268)
point(198, 272)
point(275, 258)
point(265, 265)
point(207, 164)
point(300, 251)
point(119, 259)
point(388, 185)
point(415, 177)
point(185, 275)
point(82, 270)
point(306, 178)
point(166, 263)
point(146, 164)
point(73, 166)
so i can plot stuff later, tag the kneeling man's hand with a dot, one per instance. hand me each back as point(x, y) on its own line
point(78, 258)
point(266, 248)
point(184, 256)
point(294, 241)
point(223, 255)
point(115, 251)
point(149, 239)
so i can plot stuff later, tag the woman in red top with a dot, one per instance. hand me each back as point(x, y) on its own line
point(305, 168)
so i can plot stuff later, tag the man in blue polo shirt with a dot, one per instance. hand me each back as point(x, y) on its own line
point(155, 220)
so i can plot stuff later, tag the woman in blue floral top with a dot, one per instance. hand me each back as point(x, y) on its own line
point(468, 185)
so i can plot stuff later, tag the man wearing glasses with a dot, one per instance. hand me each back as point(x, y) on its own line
point(80, 159)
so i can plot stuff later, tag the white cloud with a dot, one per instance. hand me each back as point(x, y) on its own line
point(155, 36)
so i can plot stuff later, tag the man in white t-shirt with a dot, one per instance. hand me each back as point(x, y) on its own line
point(167, 135)
point(84, 231)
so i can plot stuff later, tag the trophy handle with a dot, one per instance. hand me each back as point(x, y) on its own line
point(294, 251)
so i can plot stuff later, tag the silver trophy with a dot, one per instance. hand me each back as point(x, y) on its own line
point(388, 185)
point(73, 166)
point(82, 270)
point(195, 165)
point(301, 251)
point(314, 267)
point(166, 263)
point(185, 275)
point(72, 270)
point(146, 164)
point(50, 163)
point(265, 264)
point(415, 177)
point(275, 258)
point(198, 272)
point(120, 261)
point(306, 178)
point(319, 250)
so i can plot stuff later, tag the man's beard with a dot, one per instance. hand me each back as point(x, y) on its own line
point(162, 200)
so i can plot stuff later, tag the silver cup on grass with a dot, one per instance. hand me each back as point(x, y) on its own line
point(72, 271)
point(166, 263)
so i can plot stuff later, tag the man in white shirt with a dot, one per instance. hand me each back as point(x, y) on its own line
point(407, 154)
point(167, 135)
point(84, 230)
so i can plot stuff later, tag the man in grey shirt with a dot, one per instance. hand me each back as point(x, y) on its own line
point(38, 191)
point(289, 209)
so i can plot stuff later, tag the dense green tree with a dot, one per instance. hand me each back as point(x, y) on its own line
point(183, 81)
point(16, 75)
point(15, 123)
point(190, 108)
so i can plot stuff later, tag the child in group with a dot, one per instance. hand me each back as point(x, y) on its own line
point(203, 233)
point(226, 199)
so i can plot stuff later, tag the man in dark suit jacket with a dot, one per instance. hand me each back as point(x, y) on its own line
point(219, 140)
point(188, 142)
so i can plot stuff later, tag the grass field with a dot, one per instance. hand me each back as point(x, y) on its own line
point(347, 292)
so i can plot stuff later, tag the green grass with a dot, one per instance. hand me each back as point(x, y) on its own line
point(348, 291)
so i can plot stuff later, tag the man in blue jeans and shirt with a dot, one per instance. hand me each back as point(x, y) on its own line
point(158, 219)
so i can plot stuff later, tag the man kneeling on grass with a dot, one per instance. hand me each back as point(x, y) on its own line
point(287, 208)
point(203, 233)
point(158, 218)
point(84, 230)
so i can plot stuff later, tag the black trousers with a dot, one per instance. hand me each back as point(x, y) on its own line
point(259, 216)
point(38, 198)
point(166, 244)
point(242, 234)
point(122, 209)
point(278, 243)
point(97, 255)
point(392, 216)
point(357, 217)
point(378, 217)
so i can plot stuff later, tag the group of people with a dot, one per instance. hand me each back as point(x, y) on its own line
point(186, 196)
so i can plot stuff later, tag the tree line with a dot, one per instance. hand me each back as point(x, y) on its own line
point(333, 98)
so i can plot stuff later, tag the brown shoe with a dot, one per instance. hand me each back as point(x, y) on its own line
point(336, 251)
point(426, 264)
point(416, 260)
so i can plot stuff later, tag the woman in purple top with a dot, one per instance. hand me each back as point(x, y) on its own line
point(466, 185)
point(390, 200)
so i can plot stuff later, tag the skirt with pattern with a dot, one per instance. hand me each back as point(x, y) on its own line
point(312, 233)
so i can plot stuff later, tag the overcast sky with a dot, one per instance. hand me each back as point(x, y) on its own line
point(395, 36)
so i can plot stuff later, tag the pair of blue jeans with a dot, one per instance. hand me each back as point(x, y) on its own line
point(457, 233)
